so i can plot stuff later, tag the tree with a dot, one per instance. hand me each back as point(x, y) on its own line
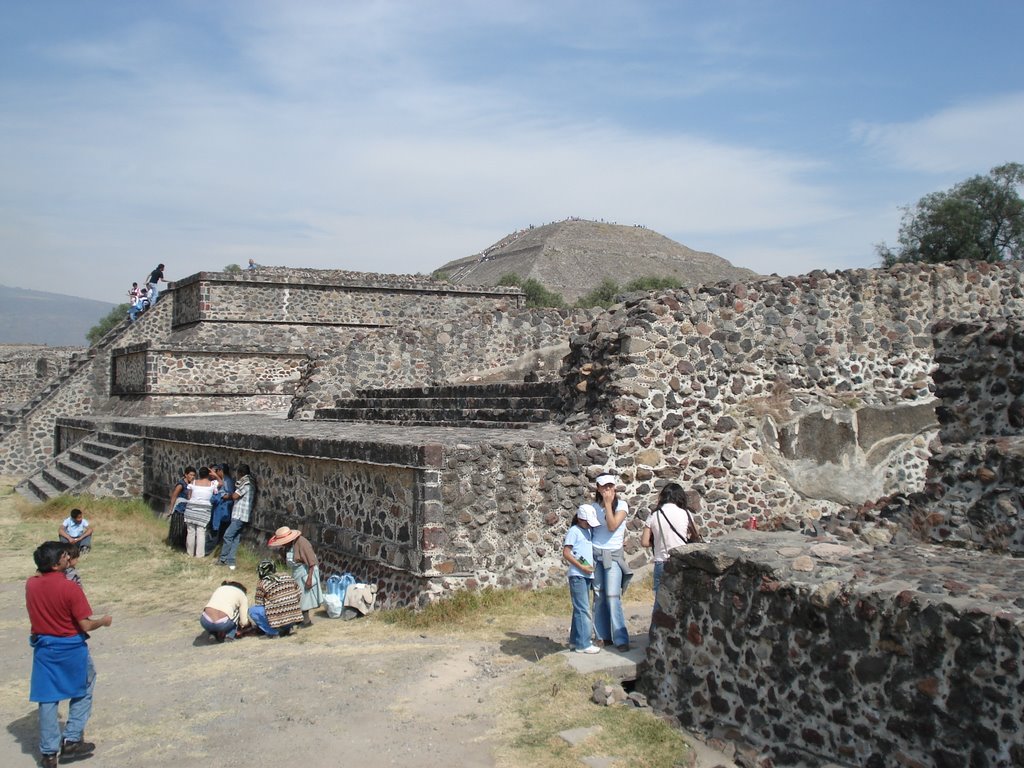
point(232, 269)
point(652, 283)
point(536, 294)
point(981, 218)
point(602, 296)
point(112, 318)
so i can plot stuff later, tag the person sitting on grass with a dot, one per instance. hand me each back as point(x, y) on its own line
point(76, 530)
point(578, 552)
point(226, 615)
point(278, 602)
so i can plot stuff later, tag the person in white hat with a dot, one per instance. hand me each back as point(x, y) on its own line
point(578, 552)
point(299, 555)
point(611, 573)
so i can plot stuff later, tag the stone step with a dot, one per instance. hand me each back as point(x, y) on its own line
point(36, 488)
point(86, 458)
point(428, 423)
point(434, 403)
point(507, 389)
point(67, 464)
point(58, 479)
point(490, 416)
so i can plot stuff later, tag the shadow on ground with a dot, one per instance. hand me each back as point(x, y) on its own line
point(25, 731)
point(529, 647)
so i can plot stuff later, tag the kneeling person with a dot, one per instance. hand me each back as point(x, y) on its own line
point(278, 602)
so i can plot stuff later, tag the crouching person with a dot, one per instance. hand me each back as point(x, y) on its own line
point(226, 615)
point(278, 603)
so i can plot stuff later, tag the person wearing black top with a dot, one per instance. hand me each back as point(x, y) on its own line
point(151, 282)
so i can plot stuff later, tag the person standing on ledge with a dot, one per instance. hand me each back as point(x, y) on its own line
point(299, 555)
point(60, 617)
point(151, 282)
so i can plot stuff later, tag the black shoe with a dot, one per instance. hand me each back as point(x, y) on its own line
point(74, 750)
point(48, 761)
point(624, 647)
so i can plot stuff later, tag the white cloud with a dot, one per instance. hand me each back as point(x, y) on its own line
point(964, 139)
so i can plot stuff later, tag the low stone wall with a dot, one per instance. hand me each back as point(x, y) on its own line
point(810, 652)
point(420, 518)
point(26, 369)
point(415, 355)
point(331, 298)
point(147, 369)
point(780, 398)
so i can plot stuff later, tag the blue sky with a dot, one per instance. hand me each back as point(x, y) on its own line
point(394, 136)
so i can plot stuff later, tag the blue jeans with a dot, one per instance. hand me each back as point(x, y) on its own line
point(78, 715)
point(659, 569)
point(258, 616)
point(582, 626)
point(225, 626)
point(232, 536)
point(609, 621)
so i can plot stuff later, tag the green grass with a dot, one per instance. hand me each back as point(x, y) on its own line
point(468, 609)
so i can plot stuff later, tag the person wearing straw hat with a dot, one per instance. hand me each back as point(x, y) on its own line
point(299, 554)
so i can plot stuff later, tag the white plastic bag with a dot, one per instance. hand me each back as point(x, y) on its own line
point(333, 604)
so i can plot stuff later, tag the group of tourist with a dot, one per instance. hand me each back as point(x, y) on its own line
point(281, 603)
point(598, 574)
point(208, 508)
point(142, 298)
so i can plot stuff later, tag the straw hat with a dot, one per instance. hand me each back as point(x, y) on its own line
point(283, 535)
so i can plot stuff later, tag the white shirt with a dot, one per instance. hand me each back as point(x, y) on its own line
point(664, 538)
point(603, 538)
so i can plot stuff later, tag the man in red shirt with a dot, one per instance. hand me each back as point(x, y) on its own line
point(62, 668)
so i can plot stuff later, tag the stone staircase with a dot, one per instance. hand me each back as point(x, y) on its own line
point(77, 467)
point(507, 405)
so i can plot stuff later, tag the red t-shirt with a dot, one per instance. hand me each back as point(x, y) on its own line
point(55, 604)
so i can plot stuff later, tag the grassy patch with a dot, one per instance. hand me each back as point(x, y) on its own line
point(469, 609)
point(551, 697)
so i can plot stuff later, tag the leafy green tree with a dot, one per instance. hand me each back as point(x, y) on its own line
point(653, 283)
point(536, 294)
point(440, 275)
point(232, 269)
point(108, 321)
point(602, 296)
point(981, 218)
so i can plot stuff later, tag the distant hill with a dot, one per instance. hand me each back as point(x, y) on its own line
point(37, 317)
point(574, 256)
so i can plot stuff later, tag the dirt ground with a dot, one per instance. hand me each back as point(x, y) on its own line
point(354, 693)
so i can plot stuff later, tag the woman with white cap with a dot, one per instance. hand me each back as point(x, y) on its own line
point(299, 554)
point(611, 573)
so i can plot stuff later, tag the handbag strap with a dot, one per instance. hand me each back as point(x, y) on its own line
point(660, 512)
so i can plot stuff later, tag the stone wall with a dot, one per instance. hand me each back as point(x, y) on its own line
point(149, 369)
point(323, 297)
point(973, 495)
point(781, 398)
point(419, 519)
point(25, 369)
point(414, 355)
point(809, 652)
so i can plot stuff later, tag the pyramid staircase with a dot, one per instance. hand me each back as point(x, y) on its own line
point(77, 467)
point(505, 405)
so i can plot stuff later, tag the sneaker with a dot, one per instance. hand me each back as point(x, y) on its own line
point(588, 649)
point(231, 567)
point(72, 750)
point(48, 760)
